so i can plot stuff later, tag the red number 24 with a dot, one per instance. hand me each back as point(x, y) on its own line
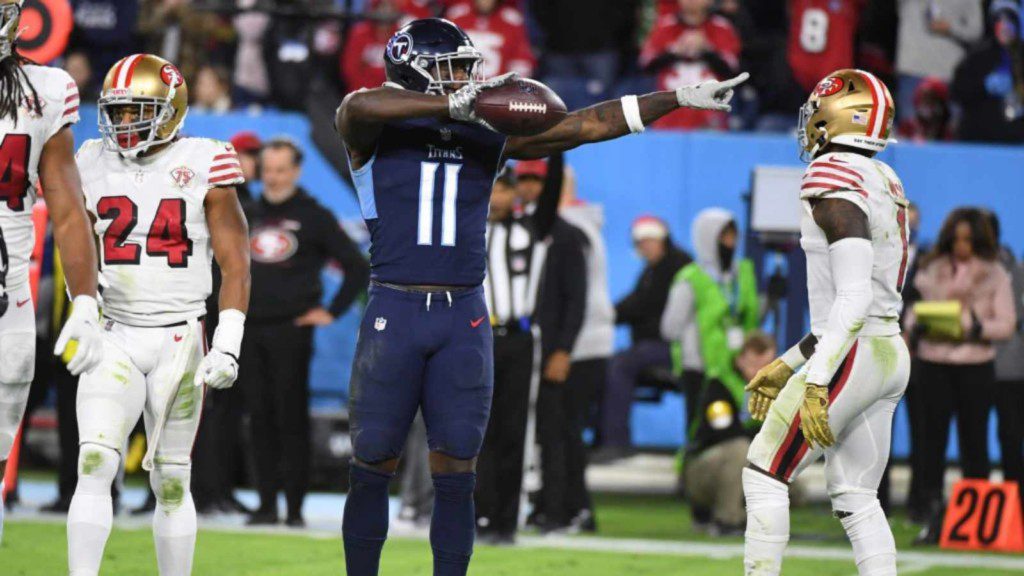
point(167, 236)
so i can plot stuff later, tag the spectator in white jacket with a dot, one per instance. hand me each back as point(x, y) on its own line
point(594, 346)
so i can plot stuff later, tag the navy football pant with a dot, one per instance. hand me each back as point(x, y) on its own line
point(421, 351)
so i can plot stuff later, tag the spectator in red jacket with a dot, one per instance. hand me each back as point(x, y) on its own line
point(931, 114)
point(685, 48)
point(499, 32)
point(821, 38)
point(362, 62)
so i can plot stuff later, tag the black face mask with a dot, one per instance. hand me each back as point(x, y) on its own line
point(725, 255)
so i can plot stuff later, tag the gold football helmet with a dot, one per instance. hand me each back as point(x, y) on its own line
point(10, 18)
point(849, 107)
point(143, 104)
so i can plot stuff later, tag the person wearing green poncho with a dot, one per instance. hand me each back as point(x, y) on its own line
point(712, 305)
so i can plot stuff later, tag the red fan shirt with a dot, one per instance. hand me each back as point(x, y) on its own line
point(499, 36)
point(720, 37)
point(821, 38)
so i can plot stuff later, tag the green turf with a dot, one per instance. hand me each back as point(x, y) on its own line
point(663, 518)
point(31, 548)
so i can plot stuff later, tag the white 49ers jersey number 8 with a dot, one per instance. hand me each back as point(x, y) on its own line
point(21, 145)
point(154, 244)
point(874, 188)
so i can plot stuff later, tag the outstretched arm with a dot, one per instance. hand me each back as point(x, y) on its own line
point(362, 113)
point(615, 118)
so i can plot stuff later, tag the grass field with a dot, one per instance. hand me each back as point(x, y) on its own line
point(38, 548)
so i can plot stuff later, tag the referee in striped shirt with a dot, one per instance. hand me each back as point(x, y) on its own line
point(519, 276)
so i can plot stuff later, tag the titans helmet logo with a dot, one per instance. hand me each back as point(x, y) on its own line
point(399, 48)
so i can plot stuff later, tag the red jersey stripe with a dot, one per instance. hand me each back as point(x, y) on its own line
point(230, 155)
point(842, 169)
point(70, 111)
point(831, 176)
point(227, 178)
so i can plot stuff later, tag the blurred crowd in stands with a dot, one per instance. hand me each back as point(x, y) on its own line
point(956, 67)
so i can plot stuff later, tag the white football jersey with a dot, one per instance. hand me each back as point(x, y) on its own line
point(154, 244)
point(21, 145)
point(874, 188)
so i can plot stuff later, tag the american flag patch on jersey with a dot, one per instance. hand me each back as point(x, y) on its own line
point(226, 170)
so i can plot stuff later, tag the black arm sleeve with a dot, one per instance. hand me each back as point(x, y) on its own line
point(344, 251)
point(573, 288)
point(547, 205)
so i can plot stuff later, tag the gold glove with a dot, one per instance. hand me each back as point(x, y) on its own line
point(814, 417)
point(765, 387)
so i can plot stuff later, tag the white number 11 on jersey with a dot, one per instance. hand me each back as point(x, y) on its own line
point(428, 177)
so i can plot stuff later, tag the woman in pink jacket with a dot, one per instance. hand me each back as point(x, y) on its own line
point(958, 375)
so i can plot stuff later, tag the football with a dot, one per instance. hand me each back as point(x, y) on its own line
point(521, 108)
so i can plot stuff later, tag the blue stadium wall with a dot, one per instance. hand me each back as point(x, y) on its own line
point(673, 176)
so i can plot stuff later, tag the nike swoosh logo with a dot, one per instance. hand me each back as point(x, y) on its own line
point(177, 338)
point(23, 302)
point(475, 323)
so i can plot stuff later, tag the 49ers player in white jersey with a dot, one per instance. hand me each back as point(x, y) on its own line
point(38, 105)
point(163, 206)
point(852, 369)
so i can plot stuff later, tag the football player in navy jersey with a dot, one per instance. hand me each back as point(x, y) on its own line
point(423, 165)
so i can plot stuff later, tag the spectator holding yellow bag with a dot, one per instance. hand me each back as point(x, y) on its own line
point(963, 280)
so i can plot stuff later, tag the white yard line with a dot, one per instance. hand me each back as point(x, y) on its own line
point(910, 561)
point(735, 550)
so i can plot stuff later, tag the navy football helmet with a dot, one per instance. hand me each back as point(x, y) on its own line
point(431, 55)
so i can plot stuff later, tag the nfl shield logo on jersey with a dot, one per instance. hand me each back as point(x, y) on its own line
point(380, 324)
point(183, 176)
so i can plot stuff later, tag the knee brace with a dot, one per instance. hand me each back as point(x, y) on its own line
point(874, 548)
point(767, 530)
point(97, 468)
point(767, 507)
point(171, 484)
point(846, 500)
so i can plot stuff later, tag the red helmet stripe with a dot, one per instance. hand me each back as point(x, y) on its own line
point(125, 70)
point(117, 69)
point(876, 122)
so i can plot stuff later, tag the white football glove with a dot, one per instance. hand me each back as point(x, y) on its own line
point(461, 103)
point(219, 368)
point(710, 94)
point(83, 327)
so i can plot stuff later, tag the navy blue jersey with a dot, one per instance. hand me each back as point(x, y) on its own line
point(424, 195)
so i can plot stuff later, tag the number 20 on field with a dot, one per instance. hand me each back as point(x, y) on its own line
point(981, 515)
